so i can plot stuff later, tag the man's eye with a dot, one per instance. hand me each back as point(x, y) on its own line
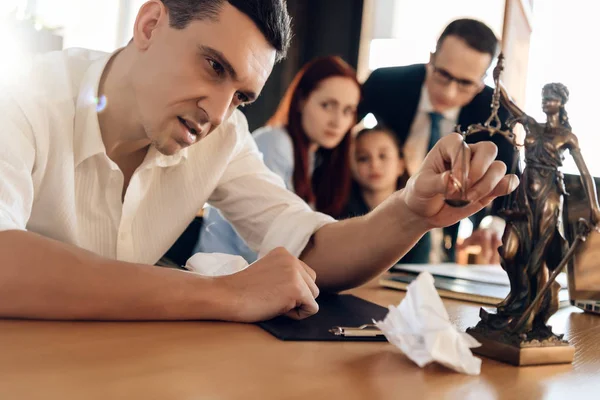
point(242, 98)
point(218, 68)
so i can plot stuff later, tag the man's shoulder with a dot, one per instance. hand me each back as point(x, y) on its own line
point(55, 74)
point(272, 134)
point(400, 74)
point(49, 84)
point(485, 95)
point(479, 107)
point(273, 140)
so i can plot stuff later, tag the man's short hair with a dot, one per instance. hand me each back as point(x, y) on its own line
point(476, 35)
point(270, 16)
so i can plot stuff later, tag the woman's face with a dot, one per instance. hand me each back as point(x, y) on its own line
point(330, 111)
point(551, 105)
point(378, 163)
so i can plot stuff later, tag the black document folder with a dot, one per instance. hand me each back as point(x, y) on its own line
point(334, 310)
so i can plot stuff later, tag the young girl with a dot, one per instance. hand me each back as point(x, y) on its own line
point(306, 143)
point(379, 170)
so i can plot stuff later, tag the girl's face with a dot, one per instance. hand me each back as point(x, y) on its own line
point(330, 111)
point(378, 162)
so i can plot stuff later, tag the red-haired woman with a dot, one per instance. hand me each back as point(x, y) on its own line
point(306, 143)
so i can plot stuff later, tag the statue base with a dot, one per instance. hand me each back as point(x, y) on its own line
point(515, 350)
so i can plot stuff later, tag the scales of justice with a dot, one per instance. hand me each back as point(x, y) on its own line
point(533, 250)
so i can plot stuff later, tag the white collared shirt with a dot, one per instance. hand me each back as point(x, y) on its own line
point(57, 180)
point(417, 142)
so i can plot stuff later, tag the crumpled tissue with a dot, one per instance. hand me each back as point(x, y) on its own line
point(215, 264)
point(420, 327)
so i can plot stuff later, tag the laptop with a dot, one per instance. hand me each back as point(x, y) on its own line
point(483, 284)
point(584, 269)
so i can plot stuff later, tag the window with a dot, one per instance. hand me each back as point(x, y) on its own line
point(563, 49)
point(405, 31)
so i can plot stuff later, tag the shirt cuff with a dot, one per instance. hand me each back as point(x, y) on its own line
point(292, 230)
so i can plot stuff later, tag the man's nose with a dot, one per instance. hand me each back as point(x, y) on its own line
point(451, 91)
point(217, 108)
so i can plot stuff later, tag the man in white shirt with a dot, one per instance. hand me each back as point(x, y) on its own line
point(100, 173)
point(423, 102)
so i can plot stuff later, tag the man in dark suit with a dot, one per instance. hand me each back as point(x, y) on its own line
point(424, 102)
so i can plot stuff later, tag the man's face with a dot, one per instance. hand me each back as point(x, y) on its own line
point(455, 74)
point(188, 81)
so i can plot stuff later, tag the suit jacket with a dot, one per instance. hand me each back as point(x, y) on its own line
point(393, 94)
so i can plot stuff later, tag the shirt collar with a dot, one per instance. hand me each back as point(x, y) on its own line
point(87, 141)
point(155, 158)
point(425, 106)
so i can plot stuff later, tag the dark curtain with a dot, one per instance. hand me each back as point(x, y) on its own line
point(321, 27)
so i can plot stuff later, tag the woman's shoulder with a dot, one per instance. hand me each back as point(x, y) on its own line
point(272, 134)
point(271, 139)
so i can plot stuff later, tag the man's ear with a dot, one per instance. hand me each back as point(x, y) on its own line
point(150, 16)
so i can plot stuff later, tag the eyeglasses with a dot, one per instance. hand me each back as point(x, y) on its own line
point(443, 77)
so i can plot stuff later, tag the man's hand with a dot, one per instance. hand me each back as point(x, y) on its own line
point(486, 239)
point(487, 179)
point(278, 283)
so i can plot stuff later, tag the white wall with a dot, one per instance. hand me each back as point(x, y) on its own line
point(132, 9)
point(12, 52)
point(9, 6)
point(564, 48)
point(91, 24)
point(416, 26)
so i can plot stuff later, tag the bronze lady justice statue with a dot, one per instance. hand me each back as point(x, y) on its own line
point(532, 246)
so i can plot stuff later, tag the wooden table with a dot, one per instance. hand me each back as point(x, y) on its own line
point(211, 360)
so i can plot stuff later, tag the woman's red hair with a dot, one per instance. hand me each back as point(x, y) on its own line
point(330, 185)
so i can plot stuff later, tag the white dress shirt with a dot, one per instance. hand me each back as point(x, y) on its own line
point(417, 142)
point(57, 180)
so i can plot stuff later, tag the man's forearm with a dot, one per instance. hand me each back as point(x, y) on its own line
point(351, 252)
point(46, 279)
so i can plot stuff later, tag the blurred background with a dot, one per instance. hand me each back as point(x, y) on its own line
point(543, 40)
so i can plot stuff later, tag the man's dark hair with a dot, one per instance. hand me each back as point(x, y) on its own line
point(270, 16)
point(476, 35)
